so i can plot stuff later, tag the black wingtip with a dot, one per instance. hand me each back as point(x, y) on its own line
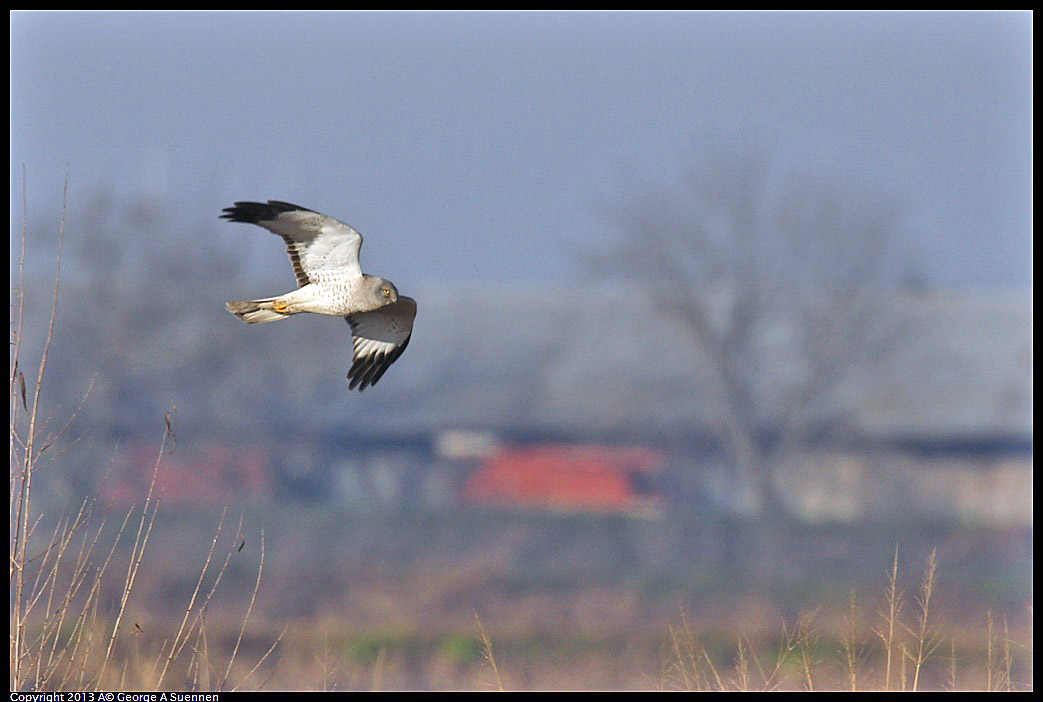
point(364, 372)
point(254, 212)
point(367, 370)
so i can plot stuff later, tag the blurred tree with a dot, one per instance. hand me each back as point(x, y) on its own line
point(777, 280)
point(140, 294)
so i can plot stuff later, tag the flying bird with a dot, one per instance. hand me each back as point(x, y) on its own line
point(325, 257)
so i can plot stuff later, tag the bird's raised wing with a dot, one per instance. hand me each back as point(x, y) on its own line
point(321, 248)
point(379, 338)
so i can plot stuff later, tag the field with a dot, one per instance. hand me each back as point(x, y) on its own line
point(289, 598)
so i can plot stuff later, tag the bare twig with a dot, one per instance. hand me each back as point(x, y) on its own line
point(852, 645)
point(178, 643)
point(487, 650)
point(261, 660)
point(893, 607)
point(246, 619)
point(23, 484)
point(926, 641)
point(148, 518)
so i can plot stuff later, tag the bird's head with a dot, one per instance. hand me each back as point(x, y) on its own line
point(383, 291)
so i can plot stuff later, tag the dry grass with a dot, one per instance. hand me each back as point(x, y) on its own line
point(908, 648)
point(66, 632)
point(487, 652)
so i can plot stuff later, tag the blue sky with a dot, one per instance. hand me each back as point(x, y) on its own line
point(494, 146)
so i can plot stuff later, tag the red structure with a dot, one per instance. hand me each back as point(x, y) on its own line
point(211, 476)
point(565, 477)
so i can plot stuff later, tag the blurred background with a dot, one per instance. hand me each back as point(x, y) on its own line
point(718, 312)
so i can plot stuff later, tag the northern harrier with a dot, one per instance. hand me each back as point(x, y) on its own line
point(325, 258)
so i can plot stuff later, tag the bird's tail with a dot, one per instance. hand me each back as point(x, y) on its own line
point(254, 311)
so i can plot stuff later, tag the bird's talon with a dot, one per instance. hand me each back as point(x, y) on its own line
point(280, 306)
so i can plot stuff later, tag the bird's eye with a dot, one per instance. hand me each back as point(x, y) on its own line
point(385, 292)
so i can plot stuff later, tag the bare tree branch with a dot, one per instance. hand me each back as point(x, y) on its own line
point(777, 282)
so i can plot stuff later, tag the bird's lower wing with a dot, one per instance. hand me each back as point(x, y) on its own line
point(379, 338)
